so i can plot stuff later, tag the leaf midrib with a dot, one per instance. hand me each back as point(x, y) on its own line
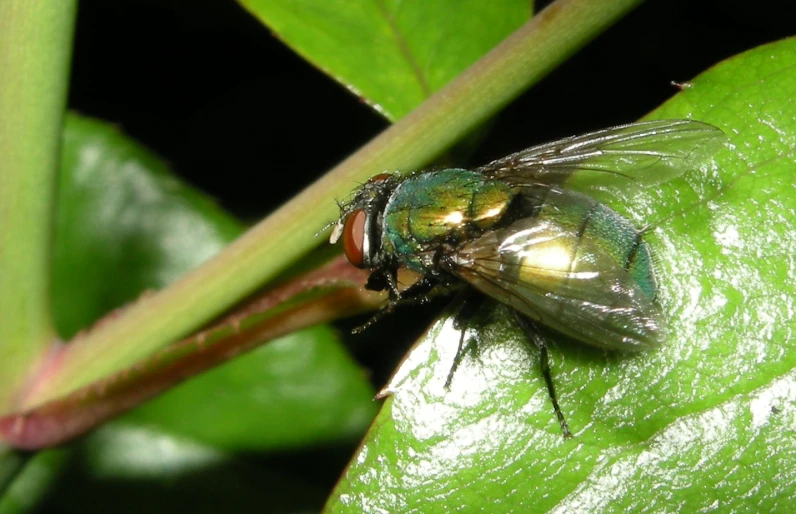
point(403, 47)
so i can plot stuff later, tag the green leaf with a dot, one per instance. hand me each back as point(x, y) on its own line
point(418, 46)
point(33, 483)
point(124, 225)
point(703, 423)
point(124, 469)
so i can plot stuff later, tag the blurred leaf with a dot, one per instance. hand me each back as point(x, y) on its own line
point(124, 224)
point(299, 390)
point(391, 53)
point(705, 423)
point(11, 462)
point(125, 469)
point(33, 485)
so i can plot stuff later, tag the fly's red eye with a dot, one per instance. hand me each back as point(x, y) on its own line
point(379, 177)
point(354, 237)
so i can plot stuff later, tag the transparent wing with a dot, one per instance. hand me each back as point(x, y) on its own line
point(644, 153)
point(569, 283)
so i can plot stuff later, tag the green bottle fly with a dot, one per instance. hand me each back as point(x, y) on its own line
point(524, 231)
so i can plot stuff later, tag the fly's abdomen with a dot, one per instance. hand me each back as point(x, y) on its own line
point(438, 207)
point(576, 266)
point(586, 236)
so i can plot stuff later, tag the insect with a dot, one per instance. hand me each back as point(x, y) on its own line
point(524, 230)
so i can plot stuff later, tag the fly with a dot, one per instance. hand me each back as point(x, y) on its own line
point(525, 231)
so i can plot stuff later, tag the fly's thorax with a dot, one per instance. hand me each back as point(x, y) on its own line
point(438, 209)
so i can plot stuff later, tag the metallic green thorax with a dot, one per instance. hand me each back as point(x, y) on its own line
point(446, 206)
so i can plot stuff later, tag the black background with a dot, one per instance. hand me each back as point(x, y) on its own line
point(211, 90)
point(243, 118)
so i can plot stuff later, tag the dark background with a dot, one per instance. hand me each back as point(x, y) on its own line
point(208, 87)
point(240, 116)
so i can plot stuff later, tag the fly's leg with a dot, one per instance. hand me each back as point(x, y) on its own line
point(384, 279)
point(413, 295)
point(392, 285)
point(468, 304)
point(532, 332)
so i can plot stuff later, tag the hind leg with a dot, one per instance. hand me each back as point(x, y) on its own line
point(533, 333)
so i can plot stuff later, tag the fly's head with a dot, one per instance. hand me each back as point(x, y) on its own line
point(360, 222)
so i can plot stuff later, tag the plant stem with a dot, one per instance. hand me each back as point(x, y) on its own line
point(35, 52)
point(269, 247)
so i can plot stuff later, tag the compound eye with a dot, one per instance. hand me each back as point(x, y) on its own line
point(380, 177)
point(354, 238)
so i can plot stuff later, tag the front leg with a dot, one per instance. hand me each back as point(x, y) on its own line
point(385, 278)
point(412, 295)
point(392, 283)
point(377, 280)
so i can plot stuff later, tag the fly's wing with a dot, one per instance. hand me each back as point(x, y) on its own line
point(572, 284)
point(644, 153)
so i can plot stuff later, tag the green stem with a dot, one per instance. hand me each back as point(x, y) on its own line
point(269, 247)
point(35, 52)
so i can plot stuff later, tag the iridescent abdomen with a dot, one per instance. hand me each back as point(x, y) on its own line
point(574, 265)
point(602, 240)
point(584, 236)
point(432, 208)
